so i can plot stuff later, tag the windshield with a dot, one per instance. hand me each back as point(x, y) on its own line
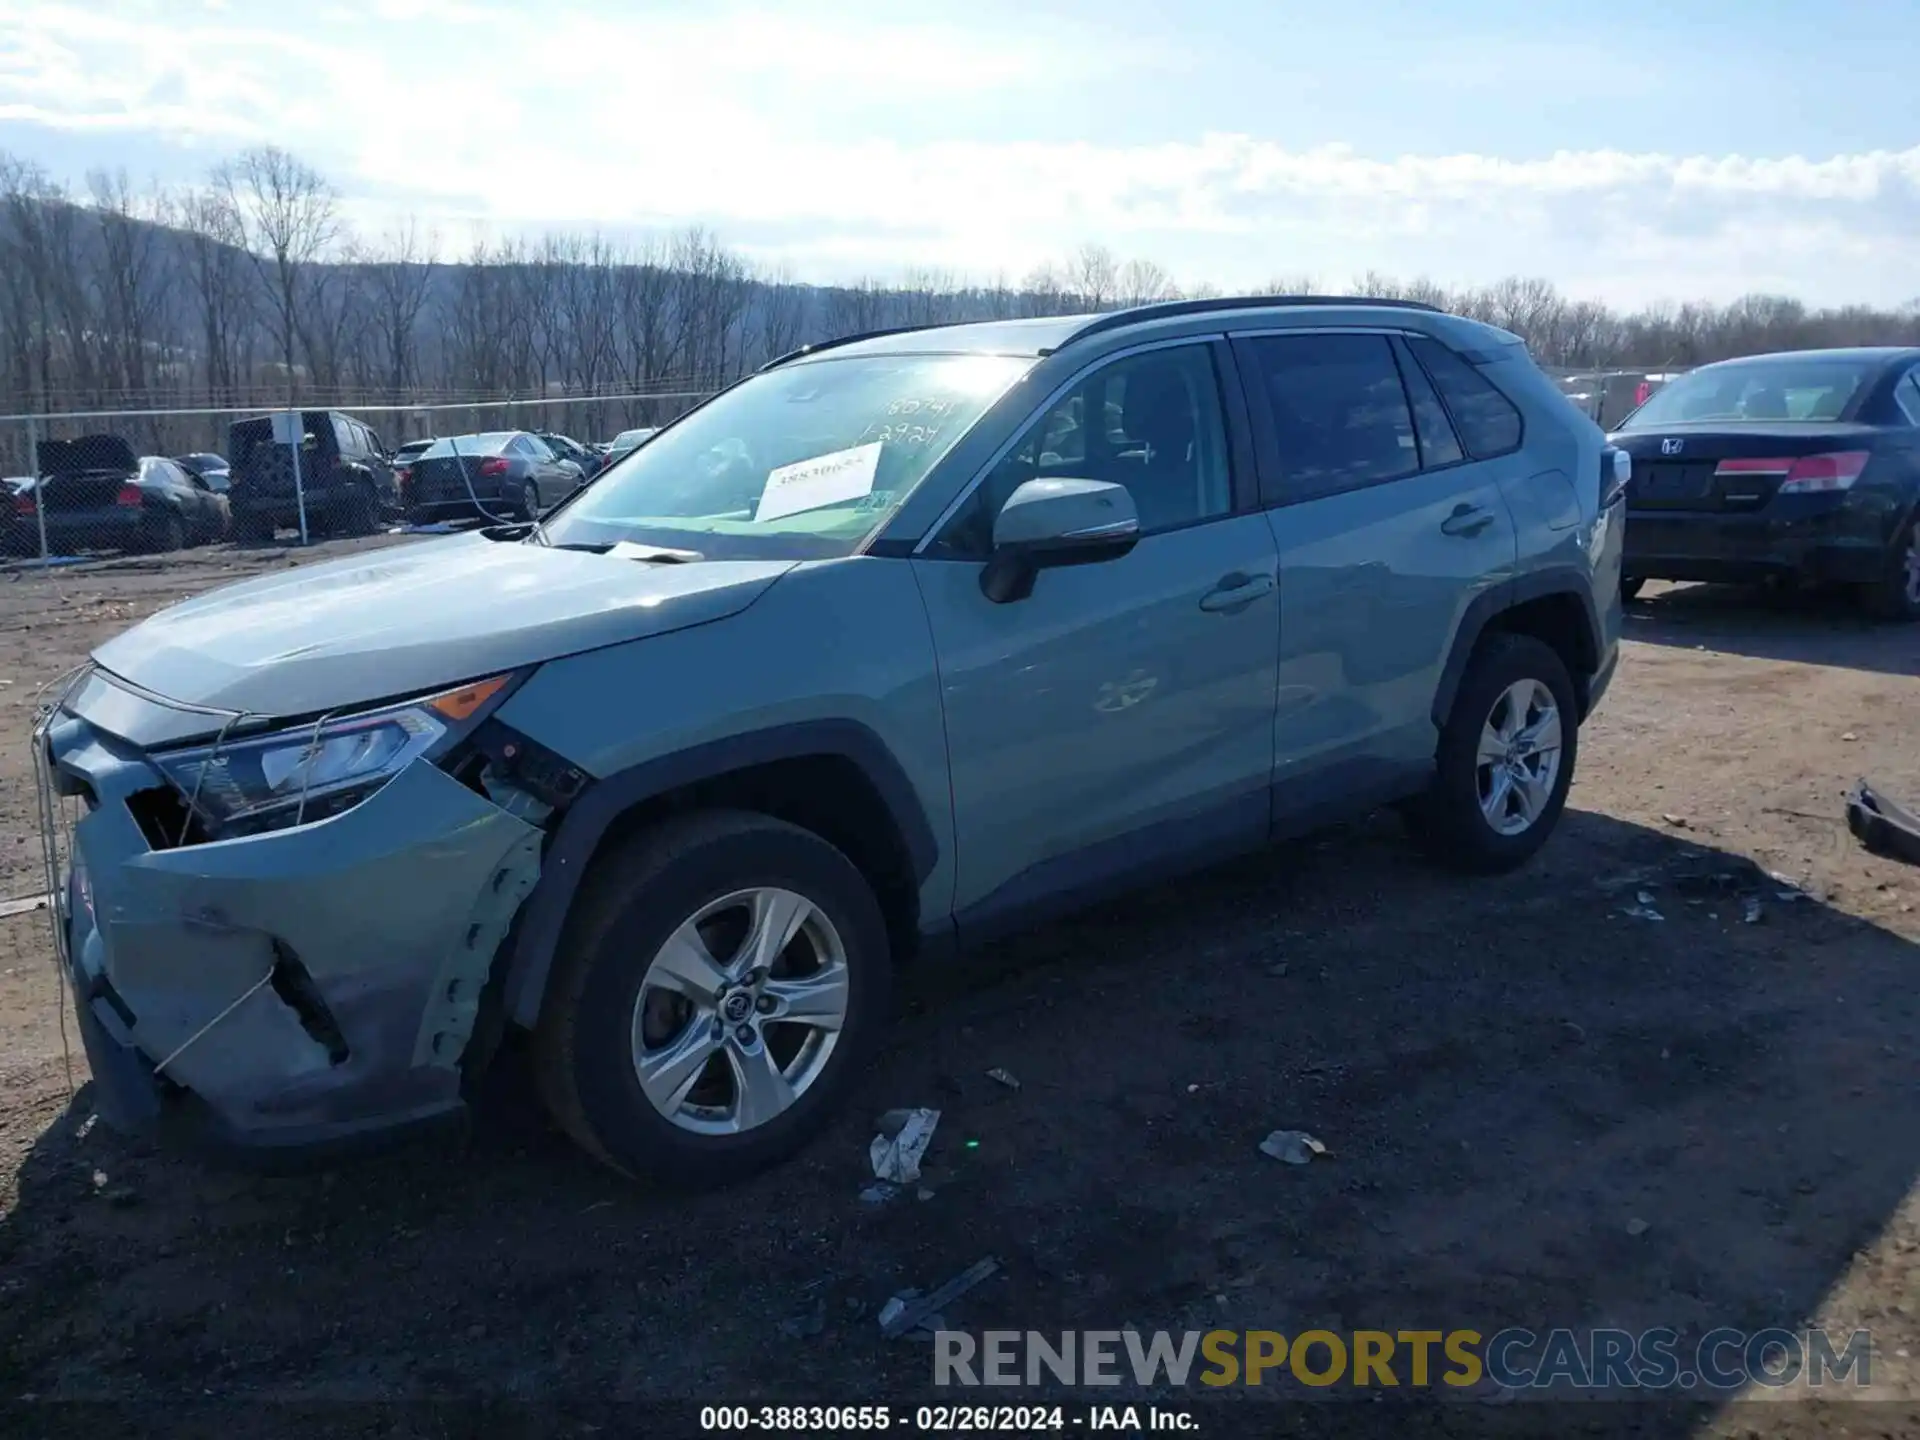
point(1777, 387)
point(803, 462)
point(489, 444)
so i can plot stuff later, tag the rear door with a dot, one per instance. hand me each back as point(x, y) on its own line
point(553, 480)
point(1387, 531)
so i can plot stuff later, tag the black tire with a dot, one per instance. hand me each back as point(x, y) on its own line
point(169, 534)
point(1630, 586)
point(1895, 596)
point(1448, 820)
point(251, 530)
point(529, 507)
point(629, 904)
point(360, 511)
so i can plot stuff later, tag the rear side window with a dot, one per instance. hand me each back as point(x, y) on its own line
point(1487, 422)
point(1340, 415)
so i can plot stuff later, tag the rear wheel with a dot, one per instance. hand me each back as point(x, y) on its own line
point(252, 530)
point(361, 511)
point(529, 501)
point(723, 976)
point(1896, 595)
point(170, 534)
point(1504, 761)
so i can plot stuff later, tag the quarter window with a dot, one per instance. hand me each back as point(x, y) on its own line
point(1486, 420)
point(1438, 443)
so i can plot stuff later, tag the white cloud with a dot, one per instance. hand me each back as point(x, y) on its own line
point(862, 143)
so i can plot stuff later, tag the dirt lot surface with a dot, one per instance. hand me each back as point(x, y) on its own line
point(1541, 1110)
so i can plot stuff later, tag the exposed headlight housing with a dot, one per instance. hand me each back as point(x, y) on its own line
point(311, 771)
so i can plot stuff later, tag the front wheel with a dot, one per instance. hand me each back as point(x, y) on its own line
point(1896, 595)
point(1504, 761)
point(529, 502)
point(721, 979)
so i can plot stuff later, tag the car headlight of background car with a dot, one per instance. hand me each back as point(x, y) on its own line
point(317, 769)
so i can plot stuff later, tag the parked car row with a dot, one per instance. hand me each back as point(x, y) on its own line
point(94, 493)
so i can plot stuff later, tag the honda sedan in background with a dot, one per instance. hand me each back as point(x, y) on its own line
point(1802, 465)
point(500, 475)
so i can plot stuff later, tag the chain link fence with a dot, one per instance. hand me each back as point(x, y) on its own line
point(91, 484)
point(88, 484)
point(1608, 396)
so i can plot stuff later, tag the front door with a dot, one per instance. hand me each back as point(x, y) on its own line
point(1119, 719)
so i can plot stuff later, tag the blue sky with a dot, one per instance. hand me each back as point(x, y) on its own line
point(1625, 151)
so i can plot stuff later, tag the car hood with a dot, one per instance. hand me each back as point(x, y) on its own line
point(415, 618)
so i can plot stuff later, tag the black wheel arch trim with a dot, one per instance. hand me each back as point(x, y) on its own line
point(1489, 604)
point(588, 819)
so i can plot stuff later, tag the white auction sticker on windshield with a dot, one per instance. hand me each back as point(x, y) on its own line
point(823, 480)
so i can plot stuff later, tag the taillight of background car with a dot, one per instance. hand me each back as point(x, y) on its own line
point(128, 497)
point(1804, 474)
point(494, 465)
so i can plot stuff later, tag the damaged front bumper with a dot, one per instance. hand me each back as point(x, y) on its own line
point(300, 987)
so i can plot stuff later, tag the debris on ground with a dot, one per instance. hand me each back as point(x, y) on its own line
point(1751, 910)
point(903, 1139)
point(879, 1193)
point(1884, 826)
point(1003, 1077)
point(909, 1309)
point(1637, 1227)
point(1292, 1147)
point(1678, 822)
point(805, 1324)
point(1642, 912)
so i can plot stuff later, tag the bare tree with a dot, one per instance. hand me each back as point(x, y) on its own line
point(136, 274)
point(1142, 282)
point(289, 215)
point(1093, 277)
point(400, 282)
point(218, 275)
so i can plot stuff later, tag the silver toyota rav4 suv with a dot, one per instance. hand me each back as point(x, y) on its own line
point(899, 643)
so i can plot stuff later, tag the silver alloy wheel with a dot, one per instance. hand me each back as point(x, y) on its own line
point(739, 1011)
point(1910, 569)
point(1519, 757)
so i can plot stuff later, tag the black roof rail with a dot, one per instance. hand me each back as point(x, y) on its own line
point(839, 340)
point(1167, 309)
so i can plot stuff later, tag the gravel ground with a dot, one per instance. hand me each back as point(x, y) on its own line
point(1540, 1110)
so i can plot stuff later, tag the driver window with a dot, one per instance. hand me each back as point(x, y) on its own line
point(1150, 422)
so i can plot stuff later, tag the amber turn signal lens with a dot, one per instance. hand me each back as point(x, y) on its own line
point(460, 704)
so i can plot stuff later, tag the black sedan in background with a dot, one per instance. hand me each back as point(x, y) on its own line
point(565, 447)
point(1803, 465)
point(98, 495)
point(209, 467)
point(501, 475)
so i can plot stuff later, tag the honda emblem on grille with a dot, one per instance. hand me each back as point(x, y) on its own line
point(1672, 447)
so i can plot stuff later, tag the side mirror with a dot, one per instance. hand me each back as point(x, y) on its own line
point(1049, 523)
